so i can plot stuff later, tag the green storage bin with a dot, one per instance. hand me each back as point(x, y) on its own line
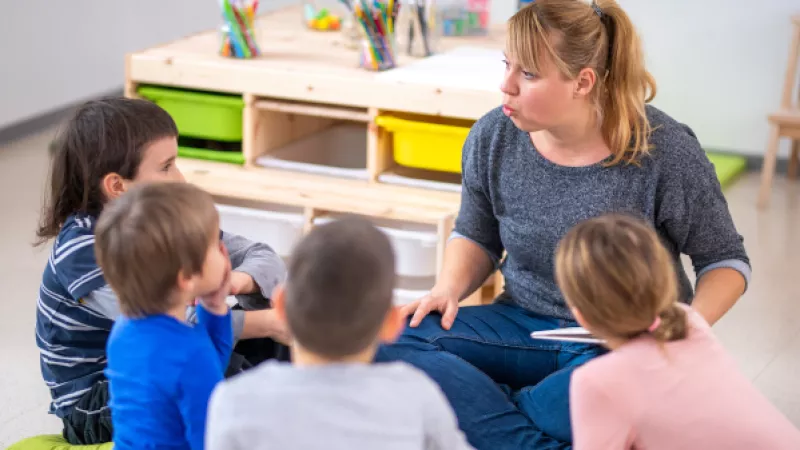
point(200, 115)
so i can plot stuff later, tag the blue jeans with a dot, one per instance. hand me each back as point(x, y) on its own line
point(508, 390)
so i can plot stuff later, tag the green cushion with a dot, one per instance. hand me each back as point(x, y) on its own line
point(55, 442)
point(728, 167)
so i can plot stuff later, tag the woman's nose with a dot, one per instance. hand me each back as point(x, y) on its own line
point(508, 85)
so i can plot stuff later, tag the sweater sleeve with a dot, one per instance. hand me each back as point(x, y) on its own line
point(257, 260)
point(476, 220)
point(596, 419)
point(200, 375)
point(694, 214)
point(220, 330)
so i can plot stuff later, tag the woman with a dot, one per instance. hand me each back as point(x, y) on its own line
point(573, 140)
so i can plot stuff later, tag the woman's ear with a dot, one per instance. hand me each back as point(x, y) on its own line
point(392, 326)
point(585, 82)
point(113, 185)
point(279, 302)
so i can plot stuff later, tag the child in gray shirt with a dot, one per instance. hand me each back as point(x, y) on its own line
point(337, 304)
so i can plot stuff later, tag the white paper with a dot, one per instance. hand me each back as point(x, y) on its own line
point(572, 334)
point(472, 68)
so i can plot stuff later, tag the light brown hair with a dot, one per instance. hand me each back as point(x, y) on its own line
point(616, 272)
point(574, 35)
point(339, 288)
point(150, 235)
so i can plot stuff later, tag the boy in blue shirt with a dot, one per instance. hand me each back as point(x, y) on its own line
point(160, 250)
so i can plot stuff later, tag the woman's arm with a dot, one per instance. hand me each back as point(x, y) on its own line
point(694, 214)
point(717, 292)
point(465, 267)
point(474, 248)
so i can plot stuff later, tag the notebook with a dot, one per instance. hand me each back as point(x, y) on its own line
point(572, 334)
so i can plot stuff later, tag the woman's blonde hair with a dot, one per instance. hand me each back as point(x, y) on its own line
point(574, 35)
point(616, 272)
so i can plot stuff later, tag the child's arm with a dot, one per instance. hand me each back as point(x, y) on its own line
point(220, 330)
point(597, 419)
point(200, 375)
point(263, 266)
point(441, 427)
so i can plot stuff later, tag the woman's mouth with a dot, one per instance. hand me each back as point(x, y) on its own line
point(507, 110)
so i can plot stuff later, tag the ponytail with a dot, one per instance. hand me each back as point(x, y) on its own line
point(627, 84)
point(673, 324)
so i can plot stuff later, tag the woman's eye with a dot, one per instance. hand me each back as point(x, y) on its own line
point(166, 167)
point(505, 63)
point(528, 75)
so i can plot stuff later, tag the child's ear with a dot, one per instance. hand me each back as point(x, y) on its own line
point(113, 185)
point(392, 326)
point(185, 283)
point(279, 302)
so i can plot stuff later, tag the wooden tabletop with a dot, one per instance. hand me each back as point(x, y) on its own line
point(304, 65)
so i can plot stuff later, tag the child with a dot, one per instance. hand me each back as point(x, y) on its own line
point(159, 248)
point(667, 383)
point(107, 147)
point(338, 305)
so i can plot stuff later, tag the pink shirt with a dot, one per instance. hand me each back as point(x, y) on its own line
point(692, 397)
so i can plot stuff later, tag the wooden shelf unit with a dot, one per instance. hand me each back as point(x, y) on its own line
point(305, 83)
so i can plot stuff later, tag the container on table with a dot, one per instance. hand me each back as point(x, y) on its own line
point(464, 17)
point(324, 15)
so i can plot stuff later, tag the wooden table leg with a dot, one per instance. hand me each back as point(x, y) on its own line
point(768, 169)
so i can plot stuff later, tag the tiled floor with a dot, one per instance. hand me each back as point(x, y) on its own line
point(762, 331)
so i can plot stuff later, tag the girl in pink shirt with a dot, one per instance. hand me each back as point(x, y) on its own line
point(667, 383)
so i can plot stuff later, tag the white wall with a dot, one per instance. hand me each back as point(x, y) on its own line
point(721, 76)
point(724, 73)
point(56, 53)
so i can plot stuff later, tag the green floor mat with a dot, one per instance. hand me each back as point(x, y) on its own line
point(728, 167)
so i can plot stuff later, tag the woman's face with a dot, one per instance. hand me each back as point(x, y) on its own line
point(537, 101)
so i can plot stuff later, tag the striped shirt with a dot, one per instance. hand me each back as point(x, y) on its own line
point(70, 333)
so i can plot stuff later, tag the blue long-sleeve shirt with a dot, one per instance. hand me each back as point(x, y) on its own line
point(161, 374)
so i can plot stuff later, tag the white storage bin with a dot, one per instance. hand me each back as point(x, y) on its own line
point(414, 246)
point(408, 290)
point(340, 150)
point(279, 227)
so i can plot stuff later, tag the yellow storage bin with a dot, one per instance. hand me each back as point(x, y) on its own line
point(426, 145)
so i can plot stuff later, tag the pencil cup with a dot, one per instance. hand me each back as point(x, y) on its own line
point(378, 53)
point(418, 27)
point(235, 44)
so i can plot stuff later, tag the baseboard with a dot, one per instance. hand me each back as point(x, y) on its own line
point(37, 123)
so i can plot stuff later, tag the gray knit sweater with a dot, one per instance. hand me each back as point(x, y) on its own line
point(514, 199)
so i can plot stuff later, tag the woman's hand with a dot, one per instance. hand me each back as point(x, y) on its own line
point(437, 300)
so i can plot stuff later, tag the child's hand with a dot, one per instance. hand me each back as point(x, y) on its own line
point(215, 301)
point(242, 283)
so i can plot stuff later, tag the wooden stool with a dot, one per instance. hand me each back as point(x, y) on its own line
point(784, 123)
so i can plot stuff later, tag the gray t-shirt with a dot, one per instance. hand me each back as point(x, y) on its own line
point(515, 200)
point(389, 406)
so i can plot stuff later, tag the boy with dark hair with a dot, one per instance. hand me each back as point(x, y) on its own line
point(337, 303)
point(159, 248)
